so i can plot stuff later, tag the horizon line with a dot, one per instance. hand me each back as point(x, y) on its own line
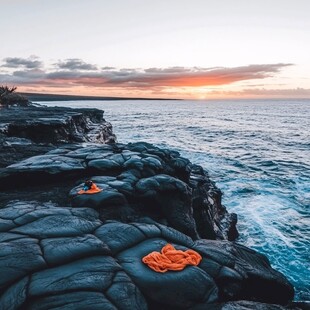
point(63, 97)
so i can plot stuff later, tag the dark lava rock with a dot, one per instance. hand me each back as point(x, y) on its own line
point(34, 130)
point(13, 149)
point(137, 179)
point(56, 124)
point(63, 250)
point(67, 258)
point(245, 305)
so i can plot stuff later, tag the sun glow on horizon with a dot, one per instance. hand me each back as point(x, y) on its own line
point(170, 49)
point(76, 77)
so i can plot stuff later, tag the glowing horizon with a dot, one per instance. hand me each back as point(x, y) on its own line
point(167, 49)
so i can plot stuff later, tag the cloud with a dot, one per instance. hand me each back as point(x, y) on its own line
point(75, 64)
point(33, 74)
point(74, 73)
point(171, 77)
point(15, 62)
point(300, 92)
point(168, 70)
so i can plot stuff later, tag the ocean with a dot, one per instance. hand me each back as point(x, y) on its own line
point(257, 152)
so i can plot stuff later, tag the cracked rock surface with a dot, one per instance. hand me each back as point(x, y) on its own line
point(67, 258)
point(138, 180)
point(63, 250)
point(33, 130)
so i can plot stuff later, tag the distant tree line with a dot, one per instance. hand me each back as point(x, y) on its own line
point(9, 97)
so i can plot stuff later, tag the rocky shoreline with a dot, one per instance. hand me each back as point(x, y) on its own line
point(63, 250)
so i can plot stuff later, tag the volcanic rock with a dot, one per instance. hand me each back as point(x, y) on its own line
point(138, 179)
point(33, 130)
point(60, 249)
point(67, 258)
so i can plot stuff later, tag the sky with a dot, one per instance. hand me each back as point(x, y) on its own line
point(196, 49)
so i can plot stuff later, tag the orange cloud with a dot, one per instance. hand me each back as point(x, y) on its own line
point(75, 75)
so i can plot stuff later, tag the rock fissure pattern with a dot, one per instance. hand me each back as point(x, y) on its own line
point(137, 179)
point(107, 261)
point(86, 252)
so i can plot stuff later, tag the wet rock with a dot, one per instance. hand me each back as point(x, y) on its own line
point(65, 250)
point(56, 124)
point(51, 164)
point(94, 273)
point(34, 130)
point(103, 164)
point(156, 183)
point(59, 250)
point(242, 265)
point(245, 305)
point(73, 301)
point(44, 264)
point(193, 284)
point(17, 261)
point(105, 199)
point(13, 149)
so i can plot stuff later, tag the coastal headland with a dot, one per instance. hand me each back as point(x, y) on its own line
point(65, 250)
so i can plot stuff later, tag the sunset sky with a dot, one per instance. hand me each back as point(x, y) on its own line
point(165, 48)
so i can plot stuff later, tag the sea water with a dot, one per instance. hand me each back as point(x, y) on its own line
point(257, 152)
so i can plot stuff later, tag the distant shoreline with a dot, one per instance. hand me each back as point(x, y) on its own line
point(57, 97)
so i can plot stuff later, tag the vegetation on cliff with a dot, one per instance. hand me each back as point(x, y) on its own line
point(8, 97)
